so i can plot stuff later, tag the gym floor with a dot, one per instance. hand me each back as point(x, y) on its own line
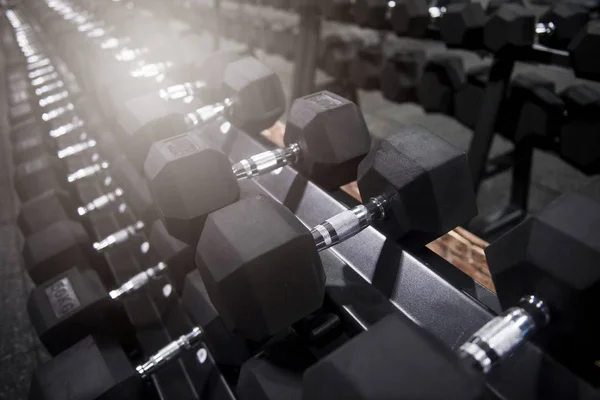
point(20, 351)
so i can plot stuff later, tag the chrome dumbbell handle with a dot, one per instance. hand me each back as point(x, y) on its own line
point(118, 237)
point(266, 162)
point(502, 335)
point(138, 281)
point(348, 223)
point(209, 112)
point(100, 202)
point(170, 352)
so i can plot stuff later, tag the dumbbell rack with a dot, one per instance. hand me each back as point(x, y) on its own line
point(367, 277)
point(305, 60)
point(521, 157)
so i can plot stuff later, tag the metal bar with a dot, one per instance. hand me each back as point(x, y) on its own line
point(495, 91)
point(521, 175)
point(305, 62)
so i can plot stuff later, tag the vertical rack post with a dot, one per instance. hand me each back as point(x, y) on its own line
point(305, 61)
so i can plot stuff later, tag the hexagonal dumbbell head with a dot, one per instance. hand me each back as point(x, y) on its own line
point(272, 38)
point(93, 368)
point(333, 137)
point(277, 373)
point(26, 130)
point(29, 148)
point(257, 93)
point(44, 210)
point(287, 41)
point(462, 25)
point(226, 347)
point(20, 112)
point(262, 379)
point(340, 54)
point(582, 51)
point(55, 249)
point(554, 255)
point(401, 74)
point(178, 255)
point(260, 267)
point(535, 108)
point(329, 42)
point(35, 177)
point(371, 13)
point(426, 180)
point(509, 30)
point(366, 367)
point(579, 139)
point(147, 119)
point(74, 304)
point(567, 19)
point(467, 99)
point(522, 94)
point(188, 180)
point(366, 67)
point(410, 18)
point(443, 75)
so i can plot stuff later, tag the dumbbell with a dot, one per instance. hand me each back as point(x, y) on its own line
point(326, 137)
point(164, 64)
point(35, 142)
point(463, 24)
point(337, 10)
point(465, 27)
point(558, 26)
point(281, 39)
point(411, 16)
point(443, 75)
point(468, 97)
point(533, 111)
point(52, 218)
point(372, 13)
point(33, 176)
point(338, 52)
point(512, 30)
point(119, 58)
point(368, 367)
point(401, 74)
point(276, 372)
point(253, 100)
point(46, 172)
point(531, 107)
point(126, 189)
point(74, 303)
point(56, 247)
point(542, 274)
point(578, 142)
point(365, 69)
point(34, 146)
point(98, 368)
point(257, 246)
point(414, 17)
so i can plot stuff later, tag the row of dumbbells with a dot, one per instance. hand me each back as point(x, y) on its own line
point(505, 28)
point(441, 83)
point(276, 225)
point(564, 122)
